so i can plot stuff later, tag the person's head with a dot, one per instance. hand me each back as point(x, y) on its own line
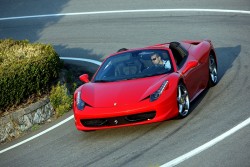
point(156, 59)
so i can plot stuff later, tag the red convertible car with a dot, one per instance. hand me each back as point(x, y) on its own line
point(146, 85)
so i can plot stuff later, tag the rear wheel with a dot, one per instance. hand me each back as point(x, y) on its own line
point(213, 74)
point(183, 100)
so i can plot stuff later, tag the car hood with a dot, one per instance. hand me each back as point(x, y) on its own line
point(120, 93)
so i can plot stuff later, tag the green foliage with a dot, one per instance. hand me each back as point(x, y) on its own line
point(25, 69)
point(35, 127)
point(60, 99)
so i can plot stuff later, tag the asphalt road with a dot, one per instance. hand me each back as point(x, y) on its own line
point(95, 36)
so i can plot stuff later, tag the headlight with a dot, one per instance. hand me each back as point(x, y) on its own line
point(157, 93)
point(79, 102)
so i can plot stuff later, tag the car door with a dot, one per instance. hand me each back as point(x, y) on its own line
point(191, 76)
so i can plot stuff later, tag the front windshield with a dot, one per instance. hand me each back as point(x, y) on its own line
point(134, 65)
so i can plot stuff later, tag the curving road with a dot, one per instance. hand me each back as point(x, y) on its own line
point(95, 36)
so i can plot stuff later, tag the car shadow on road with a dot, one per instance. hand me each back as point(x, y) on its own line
point(226, 57)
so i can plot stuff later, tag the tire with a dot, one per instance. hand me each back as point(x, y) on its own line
point(183, 101)
point(213, 72)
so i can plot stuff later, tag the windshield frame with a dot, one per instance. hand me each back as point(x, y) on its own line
point(135, 64)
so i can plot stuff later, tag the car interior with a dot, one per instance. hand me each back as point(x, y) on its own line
point(180, 53)
point(128, 68)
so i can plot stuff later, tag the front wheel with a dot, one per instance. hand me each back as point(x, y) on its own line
point(183, 100)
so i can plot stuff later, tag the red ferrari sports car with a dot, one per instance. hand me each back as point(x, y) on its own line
point(146, 85)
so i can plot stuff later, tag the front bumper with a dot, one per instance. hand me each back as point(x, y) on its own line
point(120, 116)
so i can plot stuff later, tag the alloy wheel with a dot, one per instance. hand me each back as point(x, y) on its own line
point(183, 101)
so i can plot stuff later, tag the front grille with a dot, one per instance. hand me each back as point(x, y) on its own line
point(128, 119)
point(140, 117)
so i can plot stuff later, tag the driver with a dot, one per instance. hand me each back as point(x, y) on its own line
point(157, 61)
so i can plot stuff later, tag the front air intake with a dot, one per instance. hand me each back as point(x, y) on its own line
point(94, 122)
point(116, 121)
point(141, 117)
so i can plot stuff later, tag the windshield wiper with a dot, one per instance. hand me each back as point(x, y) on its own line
point(101, 81)
point(133, 78)
point(155, 74)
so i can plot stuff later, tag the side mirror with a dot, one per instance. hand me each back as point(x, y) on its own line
point(84, 78)
point(189, 66)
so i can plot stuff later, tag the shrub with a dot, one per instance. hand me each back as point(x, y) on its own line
point(60, 99)
point(25, 69)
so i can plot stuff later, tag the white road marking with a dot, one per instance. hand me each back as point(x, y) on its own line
point(206, 145)
point(81, 59)
point(128, 11)
point(37, 135)
point(177, 160)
